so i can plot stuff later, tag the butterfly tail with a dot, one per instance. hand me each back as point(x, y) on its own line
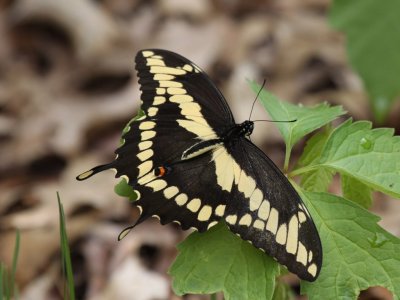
point(128, 229)
point(95, 170)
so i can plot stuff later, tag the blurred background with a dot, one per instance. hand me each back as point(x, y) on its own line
point(68, 87)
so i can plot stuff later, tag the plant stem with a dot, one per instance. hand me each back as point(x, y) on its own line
point(14, 264)
point(303, 170)
point(65, 252)
point(287, 158)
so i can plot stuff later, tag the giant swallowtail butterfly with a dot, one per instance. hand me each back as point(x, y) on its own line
point(189, 162)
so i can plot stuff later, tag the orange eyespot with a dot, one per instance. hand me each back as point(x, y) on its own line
point(161, 171)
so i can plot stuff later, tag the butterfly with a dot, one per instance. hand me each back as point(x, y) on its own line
point(189, 162)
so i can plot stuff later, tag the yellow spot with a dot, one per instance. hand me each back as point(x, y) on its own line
point(145, 155)
point(237, 171)
point(272, 223)
point(246, 185)
point(176, 91)
point(157, 185)
point(205, 213)
point(197, 69)
point(160, 91)
point(166, 70)
point(188, 68)
point(147, 53)
point(259, 224)
point(145, 145)
point(281, 234)
point(302, 254)
point(212, 224)
point(199, 130)
point(190, 109)
point(157, 56)
point(312, 269)
point(85, 175)
point(231, 219)
point(255, 199)
point(138, 195)
point(147, 125)
point(181, 98)
point(181, 199)
point(194, 205)
point(220, 210)
point(146, 178)
point(159, 100)
point(199, 120)
point(152, 111)
point(145, 167)
point(126, 178)
point(245, 220)
point(310, 256)
point(293, 232)
point(170, 192)
point(223, 168)
point(170, 84)
point(124, 233)
point(148, 134)
point(263, 211)
point(160, 77)
point(155, 62)
point(302, 217)
point(187, 155)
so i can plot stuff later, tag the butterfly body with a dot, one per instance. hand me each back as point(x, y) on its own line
point(190, 163)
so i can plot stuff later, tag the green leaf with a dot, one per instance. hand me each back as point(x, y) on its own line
point(358, 253)
point(356, 191)
point(69, 292)
point(371, 156)
point(373, 46)
point(317, 180)
point(123, 189)
point(13, 287)
point(2, 281)
point(128, 125)
point(283, 292)
point(314, 146)
point(307, 118)
point(218, 260)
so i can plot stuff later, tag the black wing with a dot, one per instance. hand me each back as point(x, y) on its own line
point(181, 107)
point(265, 209)
point(239, 183)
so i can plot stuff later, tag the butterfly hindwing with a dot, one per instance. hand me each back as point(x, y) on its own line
point(176, 197)
point(265, 209)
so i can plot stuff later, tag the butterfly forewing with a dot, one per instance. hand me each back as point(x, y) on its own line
point(184, 168)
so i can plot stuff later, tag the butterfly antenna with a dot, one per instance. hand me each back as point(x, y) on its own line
point(277, 121)
point(258, 94)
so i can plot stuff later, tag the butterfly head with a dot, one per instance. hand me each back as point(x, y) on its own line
point(246, 128)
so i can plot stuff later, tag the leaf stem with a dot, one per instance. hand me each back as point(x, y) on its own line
point(303, 170)
point(287, 158)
